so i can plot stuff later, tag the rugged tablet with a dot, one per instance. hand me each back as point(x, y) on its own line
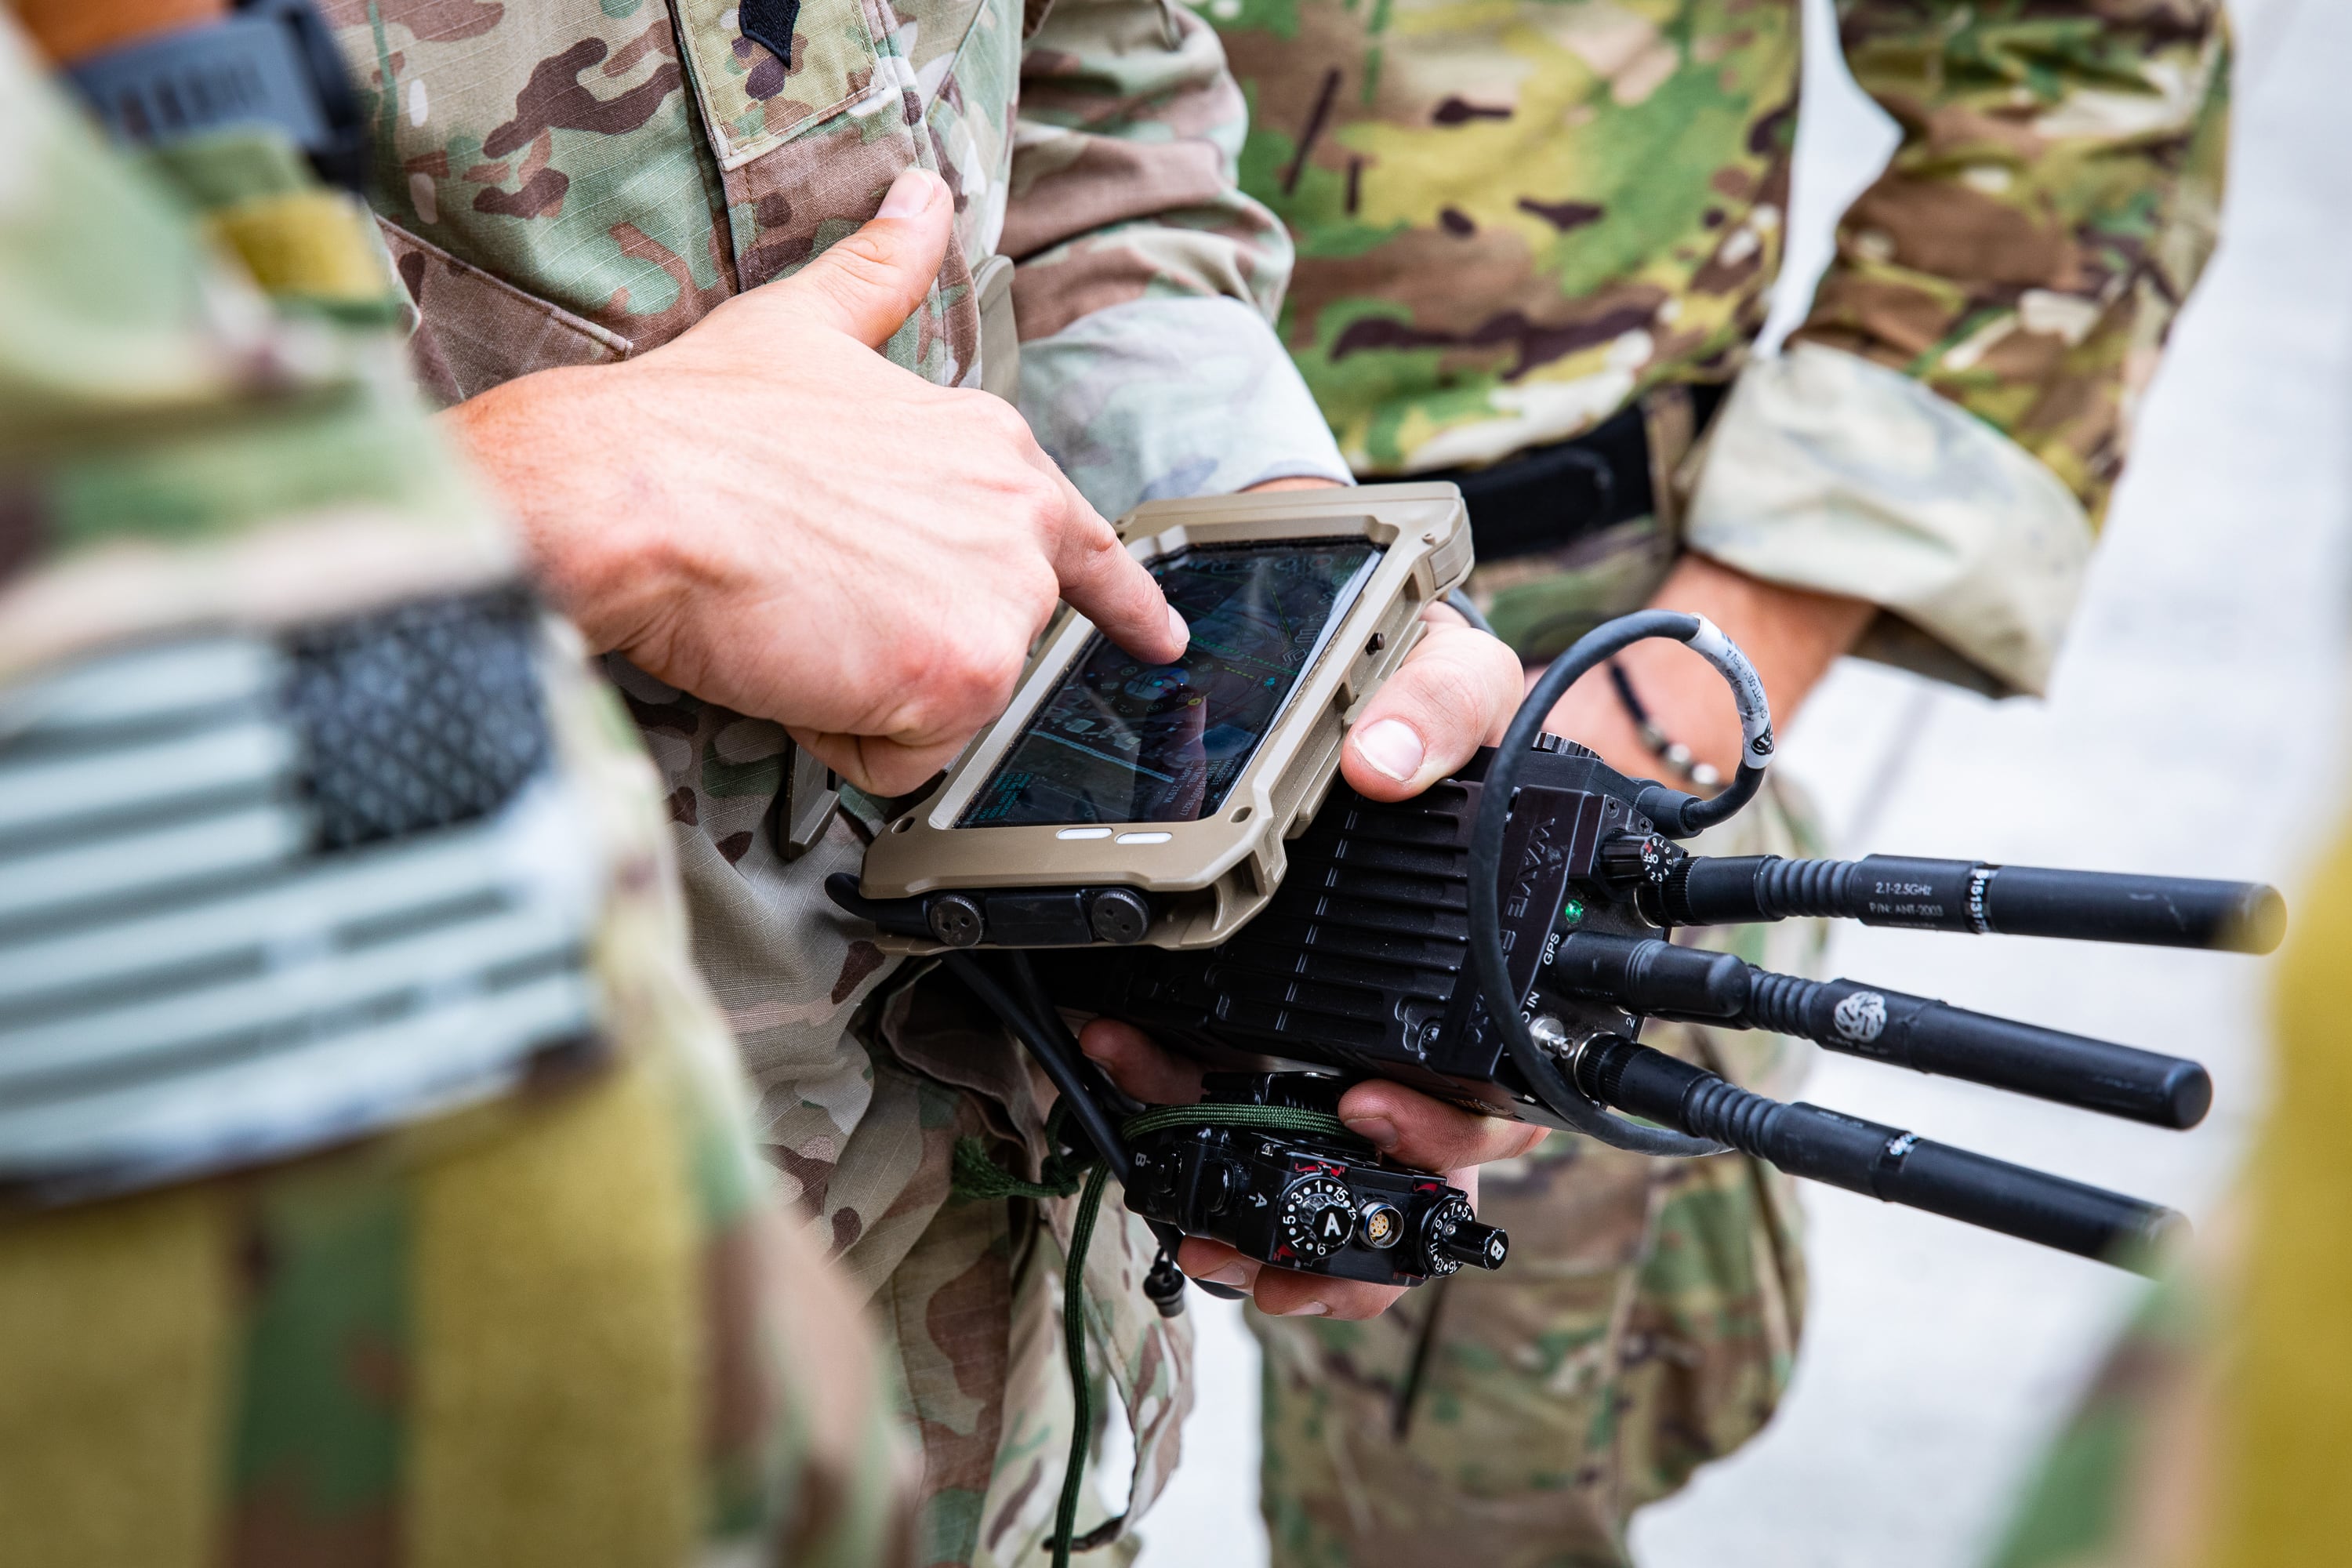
point(1120, 802)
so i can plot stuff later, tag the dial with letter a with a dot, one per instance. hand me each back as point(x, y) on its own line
point(1318, 1216)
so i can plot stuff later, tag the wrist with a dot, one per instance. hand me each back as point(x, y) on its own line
point(578, 496)
point(1685, 766)
point(1791, 635)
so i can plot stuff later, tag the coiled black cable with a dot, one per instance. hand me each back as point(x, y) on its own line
point(1677, 815)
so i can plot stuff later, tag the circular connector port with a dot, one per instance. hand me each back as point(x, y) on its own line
point(954, 920)
point(1119, 914)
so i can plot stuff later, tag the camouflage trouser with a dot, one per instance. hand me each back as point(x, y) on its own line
point(1646, 1323)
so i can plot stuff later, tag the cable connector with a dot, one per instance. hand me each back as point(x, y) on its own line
point(1163, 1287)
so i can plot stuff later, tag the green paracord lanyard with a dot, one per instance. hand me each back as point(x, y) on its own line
point(977, 1176)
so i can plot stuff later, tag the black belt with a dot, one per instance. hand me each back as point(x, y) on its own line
point(1550, 496)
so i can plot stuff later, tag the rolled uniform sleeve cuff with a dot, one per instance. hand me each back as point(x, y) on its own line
point(1826, 471)
point(1160, 398)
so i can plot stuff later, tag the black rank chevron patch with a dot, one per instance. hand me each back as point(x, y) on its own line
point(770, 22)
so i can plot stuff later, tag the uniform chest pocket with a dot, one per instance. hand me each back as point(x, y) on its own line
point(767, 68)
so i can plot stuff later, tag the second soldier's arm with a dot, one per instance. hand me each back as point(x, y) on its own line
point(1925, 469)
point(1146, 282)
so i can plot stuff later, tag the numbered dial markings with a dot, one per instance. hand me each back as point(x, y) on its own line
point(1317, 1217)
point(1439, 1228)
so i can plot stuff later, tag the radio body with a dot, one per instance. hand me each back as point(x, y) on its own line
point(1167, 845)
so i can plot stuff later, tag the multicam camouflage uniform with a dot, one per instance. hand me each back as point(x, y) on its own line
point(1513, 221)
point(569, 181)
point(375, 1185)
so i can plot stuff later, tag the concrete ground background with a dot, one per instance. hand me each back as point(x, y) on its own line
point(2195, 726)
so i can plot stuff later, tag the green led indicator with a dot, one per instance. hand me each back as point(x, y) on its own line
point(1572, 911)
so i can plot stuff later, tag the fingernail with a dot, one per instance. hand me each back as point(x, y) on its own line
point(1306, 1310)
point(910, 193)
point(1392, 747)
point(1232, 1274)
point(1377, 1131)
point(1178, 629)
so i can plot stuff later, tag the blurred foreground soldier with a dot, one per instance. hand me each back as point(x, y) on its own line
point(376, 1175)
point(1535, 243)
point(2219, 1433)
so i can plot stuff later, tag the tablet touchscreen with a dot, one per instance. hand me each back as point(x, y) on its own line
point(1120, 741)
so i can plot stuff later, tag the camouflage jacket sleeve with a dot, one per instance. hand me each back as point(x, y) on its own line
point(1145, 280)
point(1944, 435)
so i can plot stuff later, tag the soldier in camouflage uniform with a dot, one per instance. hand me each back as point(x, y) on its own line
point(1538, 239)
point(378, 1180)
point(717, 290)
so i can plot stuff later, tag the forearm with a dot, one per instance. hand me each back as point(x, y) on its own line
point(1941, 433)
point(1791, 635)
point(540, 441)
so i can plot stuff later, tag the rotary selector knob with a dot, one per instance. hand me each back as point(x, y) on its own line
point(955, 919)
point(1317, 1217)
point(1453, 1237)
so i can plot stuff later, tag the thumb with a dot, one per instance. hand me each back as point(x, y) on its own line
point(868, 283)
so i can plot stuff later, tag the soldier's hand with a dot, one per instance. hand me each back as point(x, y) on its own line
point(767, 513)
point(1455, 692)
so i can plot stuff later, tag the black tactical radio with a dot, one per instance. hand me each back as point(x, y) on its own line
point(1500, 941)
point(1360, 966)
